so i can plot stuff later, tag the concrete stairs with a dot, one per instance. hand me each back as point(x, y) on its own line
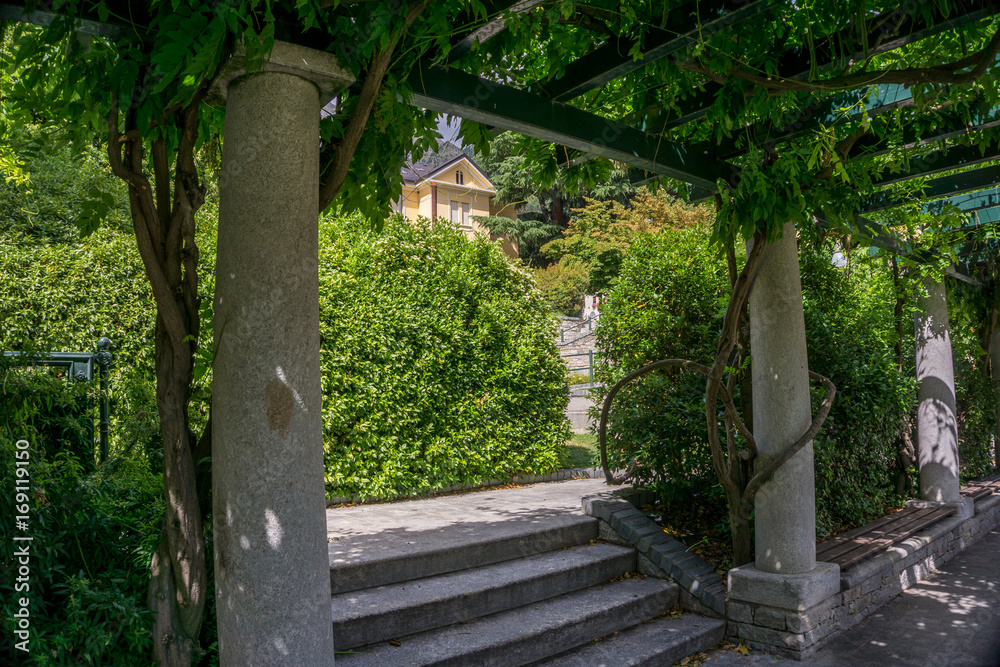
point(528, 592)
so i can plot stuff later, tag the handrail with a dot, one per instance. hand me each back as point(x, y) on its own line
point(80, 367)
point(590, 367)
point(590, 327)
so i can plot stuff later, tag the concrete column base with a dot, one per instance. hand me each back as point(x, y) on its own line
point(965, 507)
point(787, 614)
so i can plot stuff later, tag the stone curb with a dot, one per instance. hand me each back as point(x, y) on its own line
point(661, 554)
point(556, 476)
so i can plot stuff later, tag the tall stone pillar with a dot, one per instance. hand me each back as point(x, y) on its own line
point(785, 582)
point(272, 573)
point(937, 430)
point(785, 538)
point(995, 370)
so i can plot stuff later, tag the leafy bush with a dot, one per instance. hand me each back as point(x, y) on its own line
point(63, 297)
point(439, 361)
point(563, 286)
point(669, 302)
point(850, 334)
point(977, 395)
point(93, 534)
point(60, 190)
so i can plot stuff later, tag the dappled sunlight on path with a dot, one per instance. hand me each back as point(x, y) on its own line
point(951, 619)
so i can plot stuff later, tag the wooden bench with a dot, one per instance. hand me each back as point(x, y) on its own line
point(981, 489)
point(866, 541)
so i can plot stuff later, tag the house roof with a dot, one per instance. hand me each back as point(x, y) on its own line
point(433, 163)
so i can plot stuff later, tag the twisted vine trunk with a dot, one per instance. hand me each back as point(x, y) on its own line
point(163, 221)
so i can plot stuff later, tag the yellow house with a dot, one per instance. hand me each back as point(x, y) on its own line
point(452, 188)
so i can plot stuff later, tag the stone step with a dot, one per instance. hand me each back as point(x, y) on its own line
point(527, 634)
point(377, 614)
point(662, 641)
point(402, 556)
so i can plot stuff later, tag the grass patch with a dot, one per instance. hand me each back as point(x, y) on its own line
point(580, 451)
point(578, 378)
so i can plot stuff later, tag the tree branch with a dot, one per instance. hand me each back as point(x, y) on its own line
point(334, 177)
point(684, 364)
point(139, 186)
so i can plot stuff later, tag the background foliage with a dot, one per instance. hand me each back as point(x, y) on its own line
point(587, 256)
point(93, 532)
point(850, 333)
point(669, 302)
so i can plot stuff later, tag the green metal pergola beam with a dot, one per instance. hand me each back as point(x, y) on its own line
point(969, 203)
point(796, 63)
point(460, 94)
point(613, 59)
point(943, 160)
point(829, 112)
point(938, 188)
point(939, 161)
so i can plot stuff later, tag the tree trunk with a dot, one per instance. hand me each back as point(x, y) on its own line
point(164, 228)
point(181, 569)
point(739, 529)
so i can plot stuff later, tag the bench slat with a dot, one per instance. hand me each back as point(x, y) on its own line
point(860, 530)
point(977, 492)
point(892, 537)
point(873, 531)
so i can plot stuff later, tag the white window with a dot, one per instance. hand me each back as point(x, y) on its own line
point(459, 177)
point(454, 212)
point(466, 220)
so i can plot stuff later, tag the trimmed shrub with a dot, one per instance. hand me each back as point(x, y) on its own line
point(63, 297)
point(668, 303)
point(439, 361)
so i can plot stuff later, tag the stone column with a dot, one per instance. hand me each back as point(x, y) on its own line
point(785, 506)
point(272, 572)
point(937, 430)
point(995, 372)
point(786, 584)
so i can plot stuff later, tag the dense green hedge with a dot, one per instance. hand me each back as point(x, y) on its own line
point(669, 303)
point(439, 365)
point(439, 362)
point(63, 297)
point(977, 396)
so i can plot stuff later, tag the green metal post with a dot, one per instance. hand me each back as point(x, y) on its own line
point(591, 369)
point(103, 358)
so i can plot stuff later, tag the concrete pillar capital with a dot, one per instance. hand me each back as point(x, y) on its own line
point(319, 67)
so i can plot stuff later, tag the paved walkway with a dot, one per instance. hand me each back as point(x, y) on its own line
point(950, 619)
point(373, 532)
